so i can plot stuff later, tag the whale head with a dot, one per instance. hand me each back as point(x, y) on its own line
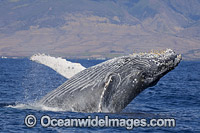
point(158, 64)
point(137, 72)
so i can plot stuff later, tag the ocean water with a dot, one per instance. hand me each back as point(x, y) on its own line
point(22, 82)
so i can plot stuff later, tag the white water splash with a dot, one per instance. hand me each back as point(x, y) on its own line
point(4, 57)
point(35, 106)
point(61, 66)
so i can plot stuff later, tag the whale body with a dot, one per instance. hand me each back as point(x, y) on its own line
point(110, 86)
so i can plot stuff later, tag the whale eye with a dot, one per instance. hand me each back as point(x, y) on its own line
point(146, 75)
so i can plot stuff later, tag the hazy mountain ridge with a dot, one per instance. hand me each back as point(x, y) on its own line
point(98, 28)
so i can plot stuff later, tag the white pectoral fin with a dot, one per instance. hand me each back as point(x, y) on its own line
point(61, 66)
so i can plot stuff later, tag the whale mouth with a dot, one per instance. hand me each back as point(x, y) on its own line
point(177, 59)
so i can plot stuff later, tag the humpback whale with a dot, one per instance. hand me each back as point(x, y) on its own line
point(110, 86)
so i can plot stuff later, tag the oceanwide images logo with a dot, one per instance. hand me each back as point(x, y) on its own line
point(30, 121)
point(46, 121)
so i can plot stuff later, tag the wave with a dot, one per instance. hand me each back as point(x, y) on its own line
point(61, 66)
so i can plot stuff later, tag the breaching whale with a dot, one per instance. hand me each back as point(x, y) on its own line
point(113, 84)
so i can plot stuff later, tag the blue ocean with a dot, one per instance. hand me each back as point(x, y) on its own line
point(176, 95)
